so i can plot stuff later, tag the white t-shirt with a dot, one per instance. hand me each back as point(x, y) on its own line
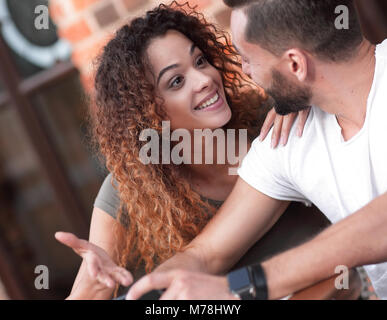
point(338, 176)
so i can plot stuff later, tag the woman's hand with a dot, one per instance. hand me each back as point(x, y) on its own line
point(99, 264)
point(282, 126)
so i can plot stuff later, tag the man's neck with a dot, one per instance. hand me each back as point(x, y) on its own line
point(343, 89)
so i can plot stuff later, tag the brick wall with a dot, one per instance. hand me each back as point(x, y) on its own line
point(88, 24)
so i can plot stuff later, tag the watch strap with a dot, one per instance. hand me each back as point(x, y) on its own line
point(259, 280)
point(248, 283)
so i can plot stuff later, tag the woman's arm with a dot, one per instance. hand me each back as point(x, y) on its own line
point(101, 235)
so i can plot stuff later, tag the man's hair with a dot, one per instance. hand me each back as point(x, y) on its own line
point(237, 3)
point(278, 25)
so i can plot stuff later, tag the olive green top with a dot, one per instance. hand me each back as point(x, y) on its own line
point(108, 199)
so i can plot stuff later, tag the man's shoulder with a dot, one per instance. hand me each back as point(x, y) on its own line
point(317, 120)
point(381, 48)
point(316, 115)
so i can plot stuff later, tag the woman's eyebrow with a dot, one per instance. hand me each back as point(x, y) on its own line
point(191, 51)
point(173, 66)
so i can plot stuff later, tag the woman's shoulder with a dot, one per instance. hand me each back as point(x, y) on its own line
point(108, 198)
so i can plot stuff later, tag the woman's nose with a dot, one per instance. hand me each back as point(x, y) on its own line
point(202, 81)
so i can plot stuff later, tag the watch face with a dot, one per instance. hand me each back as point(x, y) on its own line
point(239, 279)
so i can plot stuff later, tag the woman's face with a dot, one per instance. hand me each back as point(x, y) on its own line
point(192, 89)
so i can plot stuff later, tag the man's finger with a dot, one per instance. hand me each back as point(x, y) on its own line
point(267, 124)
point(170, 294)
point(152, 281)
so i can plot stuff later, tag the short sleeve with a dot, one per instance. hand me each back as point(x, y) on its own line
point(267, 170)
point(107, 198)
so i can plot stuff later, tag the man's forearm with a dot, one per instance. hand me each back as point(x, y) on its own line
point(202, 256)
point(190, 259)
point(359, 239)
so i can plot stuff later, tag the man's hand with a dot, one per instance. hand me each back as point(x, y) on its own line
point(183, 285)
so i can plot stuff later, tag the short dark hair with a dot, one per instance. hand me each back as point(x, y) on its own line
point(237, 3)
point(278, 25)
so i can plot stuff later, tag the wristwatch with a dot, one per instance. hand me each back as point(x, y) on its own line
point(248, 283)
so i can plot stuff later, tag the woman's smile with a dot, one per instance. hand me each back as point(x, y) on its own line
point(215, 102)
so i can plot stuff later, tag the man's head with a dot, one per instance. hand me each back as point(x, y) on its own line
point(279, 41)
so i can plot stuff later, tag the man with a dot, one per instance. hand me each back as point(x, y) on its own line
point(294, 50)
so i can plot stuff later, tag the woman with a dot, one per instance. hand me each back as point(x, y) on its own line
point(169, 65)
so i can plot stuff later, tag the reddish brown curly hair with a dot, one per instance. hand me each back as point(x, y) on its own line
point(159, 210)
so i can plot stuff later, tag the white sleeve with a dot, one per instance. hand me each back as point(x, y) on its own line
point(265, 168)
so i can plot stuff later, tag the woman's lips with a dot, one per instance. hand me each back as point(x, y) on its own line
point(214, 106)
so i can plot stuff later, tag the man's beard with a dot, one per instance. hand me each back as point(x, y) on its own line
point(287, 96)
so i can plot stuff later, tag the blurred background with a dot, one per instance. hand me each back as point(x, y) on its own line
point(49, 176)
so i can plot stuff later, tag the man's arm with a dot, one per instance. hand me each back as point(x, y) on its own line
point(357, 240)
point(244, 218)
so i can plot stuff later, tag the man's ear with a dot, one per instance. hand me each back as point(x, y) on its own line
point(295, 63)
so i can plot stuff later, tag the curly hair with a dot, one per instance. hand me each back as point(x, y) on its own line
point(159, 212)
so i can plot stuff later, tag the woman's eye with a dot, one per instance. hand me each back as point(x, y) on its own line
point(201, 61)
point(176, 82)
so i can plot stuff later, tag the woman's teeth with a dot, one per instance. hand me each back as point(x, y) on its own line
point(208, 102)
